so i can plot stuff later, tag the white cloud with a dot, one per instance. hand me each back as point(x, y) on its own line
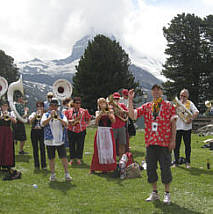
point(47, 29)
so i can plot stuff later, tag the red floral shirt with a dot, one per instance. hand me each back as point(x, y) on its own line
point(162, 134)
point(82, 125)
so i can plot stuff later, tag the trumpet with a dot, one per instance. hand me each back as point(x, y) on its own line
point(118, 110)
point(208, 104)
point(55, 117)
point(5, 116)
point(38, 115)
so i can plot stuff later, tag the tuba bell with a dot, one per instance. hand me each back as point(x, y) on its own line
point(62, 89)
point(3, 86)
point(15, 86)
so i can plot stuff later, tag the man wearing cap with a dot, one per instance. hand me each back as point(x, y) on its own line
point(119, 127)
point(160, 131)
point(19, 132)
point(129, 124)
point(47, 102)
point(124, 99)
point(53, 122)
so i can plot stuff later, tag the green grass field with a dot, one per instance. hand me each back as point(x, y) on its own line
point(191, 190)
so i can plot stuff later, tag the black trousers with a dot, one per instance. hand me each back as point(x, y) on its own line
point(155, 154)
point(186, 134)
point(37, 139)
point(76, 144)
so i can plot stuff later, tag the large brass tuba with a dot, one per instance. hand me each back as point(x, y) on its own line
point(184, 113)
point(3, 86)
point(62, 89)
point(15, 86)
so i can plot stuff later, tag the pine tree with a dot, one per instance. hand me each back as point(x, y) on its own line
point(8, 69)
point(102, 70)
point(187, 52)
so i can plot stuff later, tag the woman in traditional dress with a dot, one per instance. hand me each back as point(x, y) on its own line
point(7, 153)
point(104, 157)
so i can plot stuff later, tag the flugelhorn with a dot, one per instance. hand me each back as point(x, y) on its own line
point(5, 116)
point(3, 86)
point(15, 86)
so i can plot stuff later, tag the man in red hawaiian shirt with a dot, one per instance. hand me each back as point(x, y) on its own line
point(160, 130)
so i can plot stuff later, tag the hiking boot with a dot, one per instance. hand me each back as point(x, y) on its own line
point(153, 197)
point(167, 198)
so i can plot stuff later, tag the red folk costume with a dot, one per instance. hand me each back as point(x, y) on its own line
point(104, 157)
point(6, 144)
point(84, 116)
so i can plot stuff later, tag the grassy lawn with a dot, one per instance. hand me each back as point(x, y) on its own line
point(192, 189)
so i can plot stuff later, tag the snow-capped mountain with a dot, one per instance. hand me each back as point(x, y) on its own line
point(39, 75)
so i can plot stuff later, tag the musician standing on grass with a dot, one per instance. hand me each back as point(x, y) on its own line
point(53, 122)
point(184, 129)
point(19, 132)
point(78, 119)
point(37, 136)
point(119, 126)
point(160, 129)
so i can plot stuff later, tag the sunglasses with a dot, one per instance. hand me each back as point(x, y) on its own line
point(182, 96)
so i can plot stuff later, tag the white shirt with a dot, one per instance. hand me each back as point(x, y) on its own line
point(56, 129)
point(180, 124)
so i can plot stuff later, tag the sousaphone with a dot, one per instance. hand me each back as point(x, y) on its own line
point(62, 89)
point(3, 86)
point(15, 86)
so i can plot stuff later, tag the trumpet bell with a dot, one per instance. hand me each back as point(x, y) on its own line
point(3, 86)
point(62, 89)
point(208, 104)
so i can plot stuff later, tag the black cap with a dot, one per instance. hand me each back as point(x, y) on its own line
point(156, 86)
point(54, 101)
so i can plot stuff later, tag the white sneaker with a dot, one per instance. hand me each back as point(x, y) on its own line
point(53, 177)
point(167, 198)
point(153, 197)
point(68, 177)
point(188, 165)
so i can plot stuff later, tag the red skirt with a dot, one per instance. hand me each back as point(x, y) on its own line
point(95, 165)
point(6, 147)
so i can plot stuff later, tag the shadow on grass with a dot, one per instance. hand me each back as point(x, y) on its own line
point(136, 153)
point(197, 171)
point(83, 165)
point(23, 158)
point(62, 186)
point(173, 208)
point(43, 172)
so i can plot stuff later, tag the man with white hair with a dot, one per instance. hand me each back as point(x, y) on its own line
point(47, 102)
point(184, 128)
